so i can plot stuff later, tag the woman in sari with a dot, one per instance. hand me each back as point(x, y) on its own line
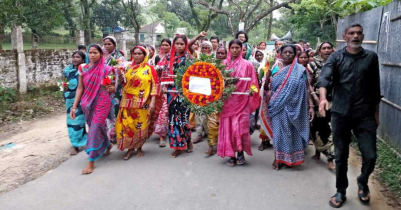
point(260, 59)
point(76, 127)
point(179, 129)
point(206, 48)
point(213, 120)
point(152, 55)
point(112, 53)
point(288, 95)
point(234, 126)
point(320, 127)
point(161, 125)
point(95, 99)
point(165, 47)
point(135, 120)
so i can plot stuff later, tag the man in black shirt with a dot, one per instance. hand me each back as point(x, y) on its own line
point(353, 73)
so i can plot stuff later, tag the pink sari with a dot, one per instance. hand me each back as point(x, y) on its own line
point(96, 105)
point(235, 117)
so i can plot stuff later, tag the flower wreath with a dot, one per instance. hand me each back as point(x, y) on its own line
point(222, 85)
point(203, 70)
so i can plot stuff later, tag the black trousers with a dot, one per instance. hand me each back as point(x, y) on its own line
point(364, 128)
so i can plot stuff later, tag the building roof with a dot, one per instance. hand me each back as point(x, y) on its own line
point(149, 28)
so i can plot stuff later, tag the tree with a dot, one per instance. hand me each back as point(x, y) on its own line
point(86, 18)
point(108, 13)
point(203, 24)
point(69, 13)
point(42, 21)
point(133, 10)
point(32, 15)
point(349, 7)
point(251, 12)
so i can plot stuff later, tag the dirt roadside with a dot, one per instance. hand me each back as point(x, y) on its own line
point(31, 148)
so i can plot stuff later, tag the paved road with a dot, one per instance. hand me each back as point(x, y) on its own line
point(191, 181)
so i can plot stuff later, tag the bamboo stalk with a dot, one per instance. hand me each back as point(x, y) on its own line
point(391, 103)
point(391, 64)
point(364, 42)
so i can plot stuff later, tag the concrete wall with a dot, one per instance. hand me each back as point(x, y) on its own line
point(43, 66)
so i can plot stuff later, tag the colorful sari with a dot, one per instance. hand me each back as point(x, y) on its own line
point(179, 131)
point(134, 124)
point(111, 119)
point(76, 127)
point(288, 110)
point(96, 106)
point(234, 125)
point(161, 124)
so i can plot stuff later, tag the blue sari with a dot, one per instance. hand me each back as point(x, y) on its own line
point(288, 109)
point(76, 128)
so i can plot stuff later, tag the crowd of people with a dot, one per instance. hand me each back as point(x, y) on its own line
point(306, 97)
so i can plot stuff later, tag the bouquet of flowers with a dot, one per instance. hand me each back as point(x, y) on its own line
point(119, 66)
point(63, 85)
point(108, 80)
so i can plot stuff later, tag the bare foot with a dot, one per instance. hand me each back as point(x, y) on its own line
point(176, 153)
point(198, 139)
point(107, 153)
point(74, 151)
point(275, 165)
point(331, 165)
point(261, 147)
point(89, 168)
point(190, 147)
point(210, 151)
point(316, 156)
point(128, 155)
point(140, 153)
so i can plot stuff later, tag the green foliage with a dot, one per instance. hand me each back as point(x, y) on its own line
point(216, 106)
point(7, 95)
point(389, 167)
point(349, 7)
point(108, 13)
point(170, 20)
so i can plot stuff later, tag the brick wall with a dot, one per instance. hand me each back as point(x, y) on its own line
point(43, 66)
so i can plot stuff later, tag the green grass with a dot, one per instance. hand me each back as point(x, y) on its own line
point(28, 46)
point(36, 102)
point(388, 166)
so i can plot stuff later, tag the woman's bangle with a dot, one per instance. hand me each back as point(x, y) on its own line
point(313, 93)
point(311, 105)
point(73, 108)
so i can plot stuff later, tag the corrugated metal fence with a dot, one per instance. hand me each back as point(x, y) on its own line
point(382, 29)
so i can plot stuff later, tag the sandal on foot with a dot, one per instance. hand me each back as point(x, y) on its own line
point(364, 194)
point(162, 144)
point(240, 160)
point(261, 147)
point(340, 199)
point(232, 162)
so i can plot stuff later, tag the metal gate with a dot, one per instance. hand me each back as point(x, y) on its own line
point(382, 29)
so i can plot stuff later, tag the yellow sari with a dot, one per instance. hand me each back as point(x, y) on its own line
point(134, 124)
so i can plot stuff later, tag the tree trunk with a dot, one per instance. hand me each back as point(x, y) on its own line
point(86, 21)
point(269, 30)
point(92, 28)
point(137, 41)
point(35, 40)
point(1, 34)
